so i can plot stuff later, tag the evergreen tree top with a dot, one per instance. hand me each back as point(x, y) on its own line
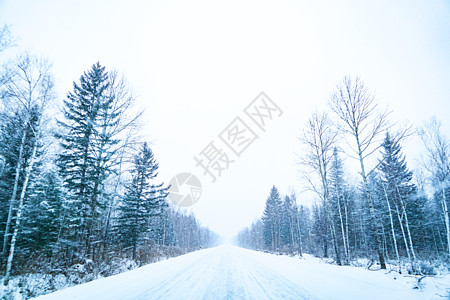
point(392, 166)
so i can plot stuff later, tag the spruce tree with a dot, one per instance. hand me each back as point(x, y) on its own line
point(271, 220)
point(397, 182)
point(87, 153)
point(288, 212)
point(142, 202)
point(43, 211)
point(338, 201)
point(320, 228)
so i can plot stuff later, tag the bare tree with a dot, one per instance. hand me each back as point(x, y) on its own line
point(29, 87)
point(117, 122)
point(320, 138)
point(361, 117)
point(125, 122)
point(438, 164)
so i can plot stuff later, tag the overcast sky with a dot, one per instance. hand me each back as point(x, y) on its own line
point(195, 65)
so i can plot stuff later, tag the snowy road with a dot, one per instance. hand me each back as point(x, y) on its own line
point(228, 272)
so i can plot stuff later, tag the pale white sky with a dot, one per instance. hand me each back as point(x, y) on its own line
point(195, 66)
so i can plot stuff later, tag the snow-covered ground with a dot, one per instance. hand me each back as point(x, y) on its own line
point(229, 272)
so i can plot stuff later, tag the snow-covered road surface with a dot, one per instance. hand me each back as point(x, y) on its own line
point(229, 272)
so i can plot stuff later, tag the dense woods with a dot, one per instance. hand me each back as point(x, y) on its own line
point(80, 189)
point(391, 215)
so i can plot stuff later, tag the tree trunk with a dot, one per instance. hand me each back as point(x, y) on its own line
point(134, 250)
point(333, 233)
point(409, 234)
point(402, 203)
point(346, 228)
point(403, 231)
point(375, 223)
point(19, 211)
point(447, 223)
point(14, 193)
point(164, 234)
point(343, 231)
point(325, 246)
point(299, 236)
point(112, 203)
point(291, 230)
point(335, 244)
point(392, 229)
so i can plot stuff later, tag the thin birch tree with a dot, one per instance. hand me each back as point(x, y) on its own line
point(29, 85)
point(320, 138)
point(438, 164)
point(362, 119)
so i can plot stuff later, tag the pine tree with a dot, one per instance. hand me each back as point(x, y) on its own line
point(339, 202)
point(320, 228)
point(271, 220)
point(400, 190)
point(288, 223)
point(304, 228)
point(44, 209)
point(90, 144)
point(142, 202)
